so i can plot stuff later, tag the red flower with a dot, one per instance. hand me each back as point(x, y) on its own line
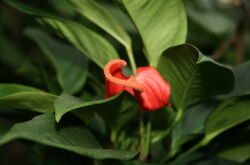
point(150, 89)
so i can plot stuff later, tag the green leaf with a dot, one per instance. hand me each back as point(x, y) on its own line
point(43, 129)
point(192, 122)
point(63, 7)
point(87, 41)
point(227, 115)
point(19, 96)
point(120, 16)
point(65, 103)
point(90, 43)
point(242, 80)
point(161, 24)
point(192, 76)
point(70, 64)
point(9, 52)
point(4, 126)
point(98, 15)
point(235, 145)
point(161, 121)
point(209, 17)
point(22, 66)
point(30, 9)
point(116, 111)
point(139, 163)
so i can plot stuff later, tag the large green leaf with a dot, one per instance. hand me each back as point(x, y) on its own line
point(98, 15)
point(90, 43)
point(87, 41)
point(43, 129)
point(192, 76)
point(227, 115)
point(116, 111)
point(19, 96)
point(70, 64)
point(161, 24)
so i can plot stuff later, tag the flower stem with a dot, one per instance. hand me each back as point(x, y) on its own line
point(145, 139)
point(131, 59)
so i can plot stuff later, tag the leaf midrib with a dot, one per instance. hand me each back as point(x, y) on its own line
point(186, 90)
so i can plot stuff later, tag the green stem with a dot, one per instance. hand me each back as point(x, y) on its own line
point(202, 143)
point(145, 140)
point(131, 59)
point(113, 136)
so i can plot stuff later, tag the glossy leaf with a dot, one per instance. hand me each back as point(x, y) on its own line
point(70, 64)
point(90, 43)
point(87, 41)
point(23, 97)
point(192, 76)
point(161, 24)
point(95, 13)
point(229, 114)
point(43, 129)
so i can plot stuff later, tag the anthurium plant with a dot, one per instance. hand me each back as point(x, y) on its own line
point(121, 82)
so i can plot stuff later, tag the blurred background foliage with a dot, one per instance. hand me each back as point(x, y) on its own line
point(219, 28)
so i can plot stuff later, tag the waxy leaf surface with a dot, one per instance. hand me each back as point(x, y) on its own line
point(161, 24)
point(193, 77)
point(95, 13)
point(78, 139)
point(23, 97)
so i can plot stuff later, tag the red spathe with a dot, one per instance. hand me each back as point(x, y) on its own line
point(154, 90)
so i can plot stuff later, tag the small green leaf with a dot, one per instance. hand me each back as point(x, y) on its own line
point(192, 76)
point(98, 15)
point(90, 43)
point(70, 64)
point(161, 24)
point(43, 129)
point(227, 115)
point(19, 96)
